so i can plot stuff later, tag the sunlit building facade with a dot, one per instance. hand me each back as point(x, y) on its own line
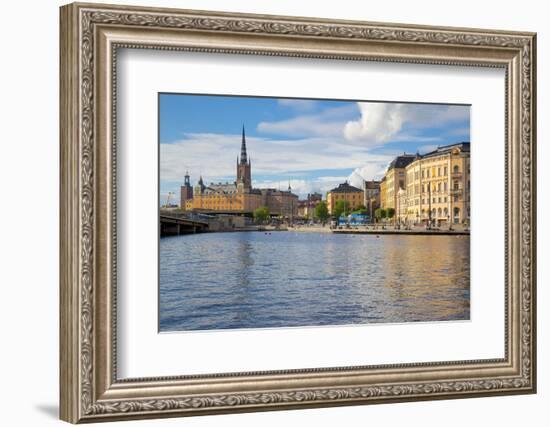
point(383, 202)
point(438, 186)
point(435, 187)
point(238, 196)
point(396, 179)
point(353, 197)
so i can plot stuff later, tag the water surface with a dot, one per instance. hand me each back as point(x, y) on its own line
point(282, 279)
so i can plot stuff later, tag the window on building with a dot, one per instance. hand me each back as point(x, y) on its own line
point(445, 186)
point(456, 215)
point(438, 171)
point(455, 185)
point(445, 171)
point(455, 169)
point(438, 186)
point(455, 198)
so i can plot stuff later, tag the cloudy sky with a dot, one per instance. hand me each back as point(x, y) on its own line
point(313, 144)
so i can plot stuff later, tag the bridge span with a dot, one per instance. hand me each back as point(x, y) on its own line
point(172, 225)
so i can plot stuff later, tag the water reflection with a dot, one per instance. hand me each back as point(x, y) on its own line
point(256, 280)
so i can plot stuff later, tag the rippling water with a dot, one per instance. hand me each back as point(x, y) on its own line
point(257, 280)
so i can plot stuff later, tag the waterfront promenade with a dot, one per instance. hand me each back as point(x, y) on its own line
point(412, 232)
point(378, 230)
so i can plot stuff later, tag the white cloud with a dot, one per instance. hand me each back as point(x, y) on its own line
point(366, 173)
point(303, 187)
point(378, 123)
point(327, 140)
point(383, 122)
point(214, 157)
point(328, 122)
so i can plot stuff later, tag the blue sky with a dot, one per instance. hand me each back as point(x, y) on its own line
point(313, 144)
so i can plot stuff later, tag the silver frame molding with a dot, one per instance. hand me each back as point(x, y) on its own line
point(90, 37)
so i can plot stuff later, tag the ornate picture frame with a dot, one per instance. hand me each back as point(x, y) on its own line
point(90, 37)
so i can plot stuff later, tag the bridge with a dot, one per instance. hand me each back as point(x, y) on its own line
point(172, 225)
point(212, 212)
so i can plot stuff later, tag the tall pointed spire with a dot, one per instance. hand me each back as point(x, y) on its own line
point(243, 148)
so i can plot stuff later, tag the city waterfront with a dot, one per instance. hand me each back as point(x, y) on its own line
point(285, 279)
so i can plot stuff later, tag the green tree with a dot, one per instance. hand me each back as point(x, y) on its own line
point(361, 210)
point(380, 214)
point(390, 212)
point(341, 207)
point(261, 214)
point(321, 212)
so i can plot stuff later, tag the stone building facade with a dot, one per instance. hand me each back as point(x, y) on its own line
point(306, 208)
point(395, 178)
point(383, 192)
point(239, 196)
point(353, 196)
point(186, 191)
point(438, 186)
point(430, 188)
point(371, 196)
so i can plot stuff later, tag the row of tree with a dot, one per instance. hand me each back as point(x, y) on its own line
point(261, 214)
point(342, 207)
point(381, 214)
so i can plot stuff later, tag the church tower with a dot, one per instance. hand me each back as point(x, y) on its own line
point(186, 191)
point(243, 166)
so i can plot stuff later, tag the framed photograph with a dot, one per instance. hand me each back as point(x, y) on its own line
point(266, 212)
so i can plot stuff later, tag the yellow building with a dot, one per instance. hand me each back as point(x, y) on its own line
point(238, 196)
point(401, 206)
point(383, 202)
point(353, 196)
point(306, 208)
point(371, 196)
point(396, 179)
point(225, 197)
point(438, 186)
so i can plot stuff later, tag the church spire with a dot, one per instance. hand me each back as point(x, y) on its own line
point(243, 148)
